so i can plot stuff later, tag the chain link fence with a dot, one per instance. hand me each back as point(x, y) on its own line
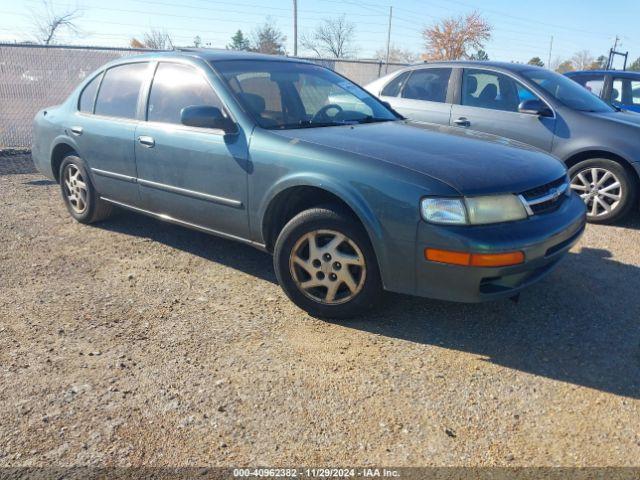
point(33, 77)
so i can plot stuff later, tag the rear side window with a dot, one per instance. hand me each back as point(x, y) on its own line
point(427, 84)
point(118, 95)
point(88, 95)
point(393, 87)
point(175, 87)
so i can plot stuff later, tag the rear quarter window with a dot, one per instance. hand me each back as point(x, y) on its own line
point(118, 95)
point(88, 95)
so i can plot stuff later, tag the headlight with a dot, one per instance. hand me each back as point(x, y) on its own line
point(449, 211)
point(495, 209)
point(473, 210)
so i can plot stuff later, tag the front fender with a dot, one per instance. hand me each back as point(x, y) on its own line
point(347, 193)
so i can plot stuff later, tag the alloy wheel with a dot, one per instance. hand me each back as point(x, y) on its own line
point(600, 189)
point(75, 188)
point(327, 267)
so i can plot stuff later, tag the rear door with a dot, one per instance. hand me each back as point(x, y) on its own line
point(421, 96)
point(192, 174)
point(104, 129)
point(625, 93)
point(489, 103)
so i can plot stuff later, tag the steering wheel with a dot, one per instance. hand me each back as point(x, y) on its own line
point(322, 114)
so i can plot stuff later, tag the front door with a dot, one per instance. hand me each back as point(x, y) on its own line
point(489, 103)
point(195, 175)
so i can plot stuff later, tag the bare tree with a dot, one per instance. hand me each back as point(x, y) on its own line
point(397, 55)
point(268, 39)
point(154, 40)
point(332, 38)
point(49, 22)
point(582, 60)
point(453, 37)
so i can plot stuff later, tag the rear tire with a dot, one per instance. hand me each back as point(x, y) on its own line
point(79, 194)
point(606, 187)
point(325, 264)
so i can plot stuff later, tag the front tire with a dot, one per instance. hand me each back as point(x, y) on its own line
point(79, 194)
point(325, 264)
point(606, 188)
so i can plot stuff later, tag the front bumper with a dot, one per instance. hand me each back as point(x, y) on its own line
point(544, 239)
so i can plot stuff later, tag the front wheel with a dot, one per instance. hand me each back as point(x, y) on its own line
point(325, 264)
point(606, 188)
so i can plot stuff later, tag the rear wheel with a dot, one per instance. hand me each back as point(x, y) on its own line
point(326, 265)
point(606, 188)
point(79, 194)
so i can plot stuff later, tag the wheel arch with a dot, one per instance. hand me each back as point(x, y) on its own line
point(294, 195)
point(61, 149)
point(595, 153)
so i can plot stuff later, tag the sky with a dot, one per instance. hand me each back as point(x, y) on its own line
point(521, 30)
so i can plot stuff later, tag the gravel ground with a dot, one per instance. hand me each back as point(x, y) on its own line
point(135, 342)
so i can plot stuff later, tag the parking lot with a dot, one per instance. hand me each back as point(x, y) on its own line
point(138, 342)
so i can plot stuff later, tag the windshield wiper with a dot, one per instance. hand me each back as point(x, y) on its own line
point(308, 124)
point(370, 119)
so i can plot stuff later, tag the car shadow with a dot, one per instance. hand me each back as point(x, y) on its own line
point(226, 252)
point(580, 325)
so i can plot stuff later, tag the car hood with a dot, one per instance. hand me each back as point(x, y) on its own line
point(624, 118)
point(472, 163)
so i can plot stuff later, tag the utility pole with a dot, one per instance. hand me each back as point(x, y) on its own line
point(295, 28)
point(386, 70)
point(550, 50)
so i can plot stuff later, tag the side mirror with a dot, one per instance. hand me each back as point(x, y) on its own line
point(535, 107)
point(204, 116)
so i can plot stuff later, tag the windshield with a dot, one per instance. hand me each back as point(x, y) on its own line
point(566, 91)
point(283, 95)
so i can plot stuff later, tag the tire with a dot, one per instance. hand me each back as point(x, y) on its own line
point(602, 206)
point(342, 276)
point(79, 194)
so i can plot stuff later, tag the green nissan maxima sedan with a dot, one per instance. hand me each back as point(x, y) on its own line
point(292, 158)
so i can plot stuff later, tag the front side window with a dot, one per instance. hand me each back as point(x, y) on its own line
point(176, 86)
point(566, 91)
point(625, 92)
point(493, 90)
point(282, 95)
point(88, 95)
point(392, 89)
point(427, 84)
point(118, 94)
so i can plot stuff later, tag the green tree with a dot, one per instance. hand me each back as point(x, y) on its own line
point(536, 61)
point(239, 42)
point(480, 56)
point(268, 39)
point(197, 41)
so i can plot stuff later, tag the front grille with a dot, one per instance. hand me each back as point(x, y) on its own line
point(542, 190)
point(545, 198)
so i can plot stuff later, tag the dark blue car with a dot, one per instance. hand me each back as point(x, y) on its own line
point(618, 88)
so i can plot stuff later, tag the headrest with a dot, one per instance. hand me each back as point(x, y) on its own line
point(255, 102)
point(472, 85)
point(490, 92)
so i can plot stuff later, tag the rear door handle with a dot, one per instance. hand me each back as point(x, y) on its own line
point(76, 130)
point(146, 141)
point(462, 122)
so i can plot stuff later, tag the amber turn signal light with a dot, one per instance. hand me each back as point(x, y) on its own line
point(474, 259)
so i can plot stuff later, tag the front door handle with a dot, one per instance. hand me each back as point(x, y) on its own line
point(146, 141)
point(462, 122)
point(76, 130)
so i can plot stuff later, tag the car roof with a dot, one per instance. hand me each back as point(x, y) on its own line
point(214, 55)
point(514, 67)
point(619, 73)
